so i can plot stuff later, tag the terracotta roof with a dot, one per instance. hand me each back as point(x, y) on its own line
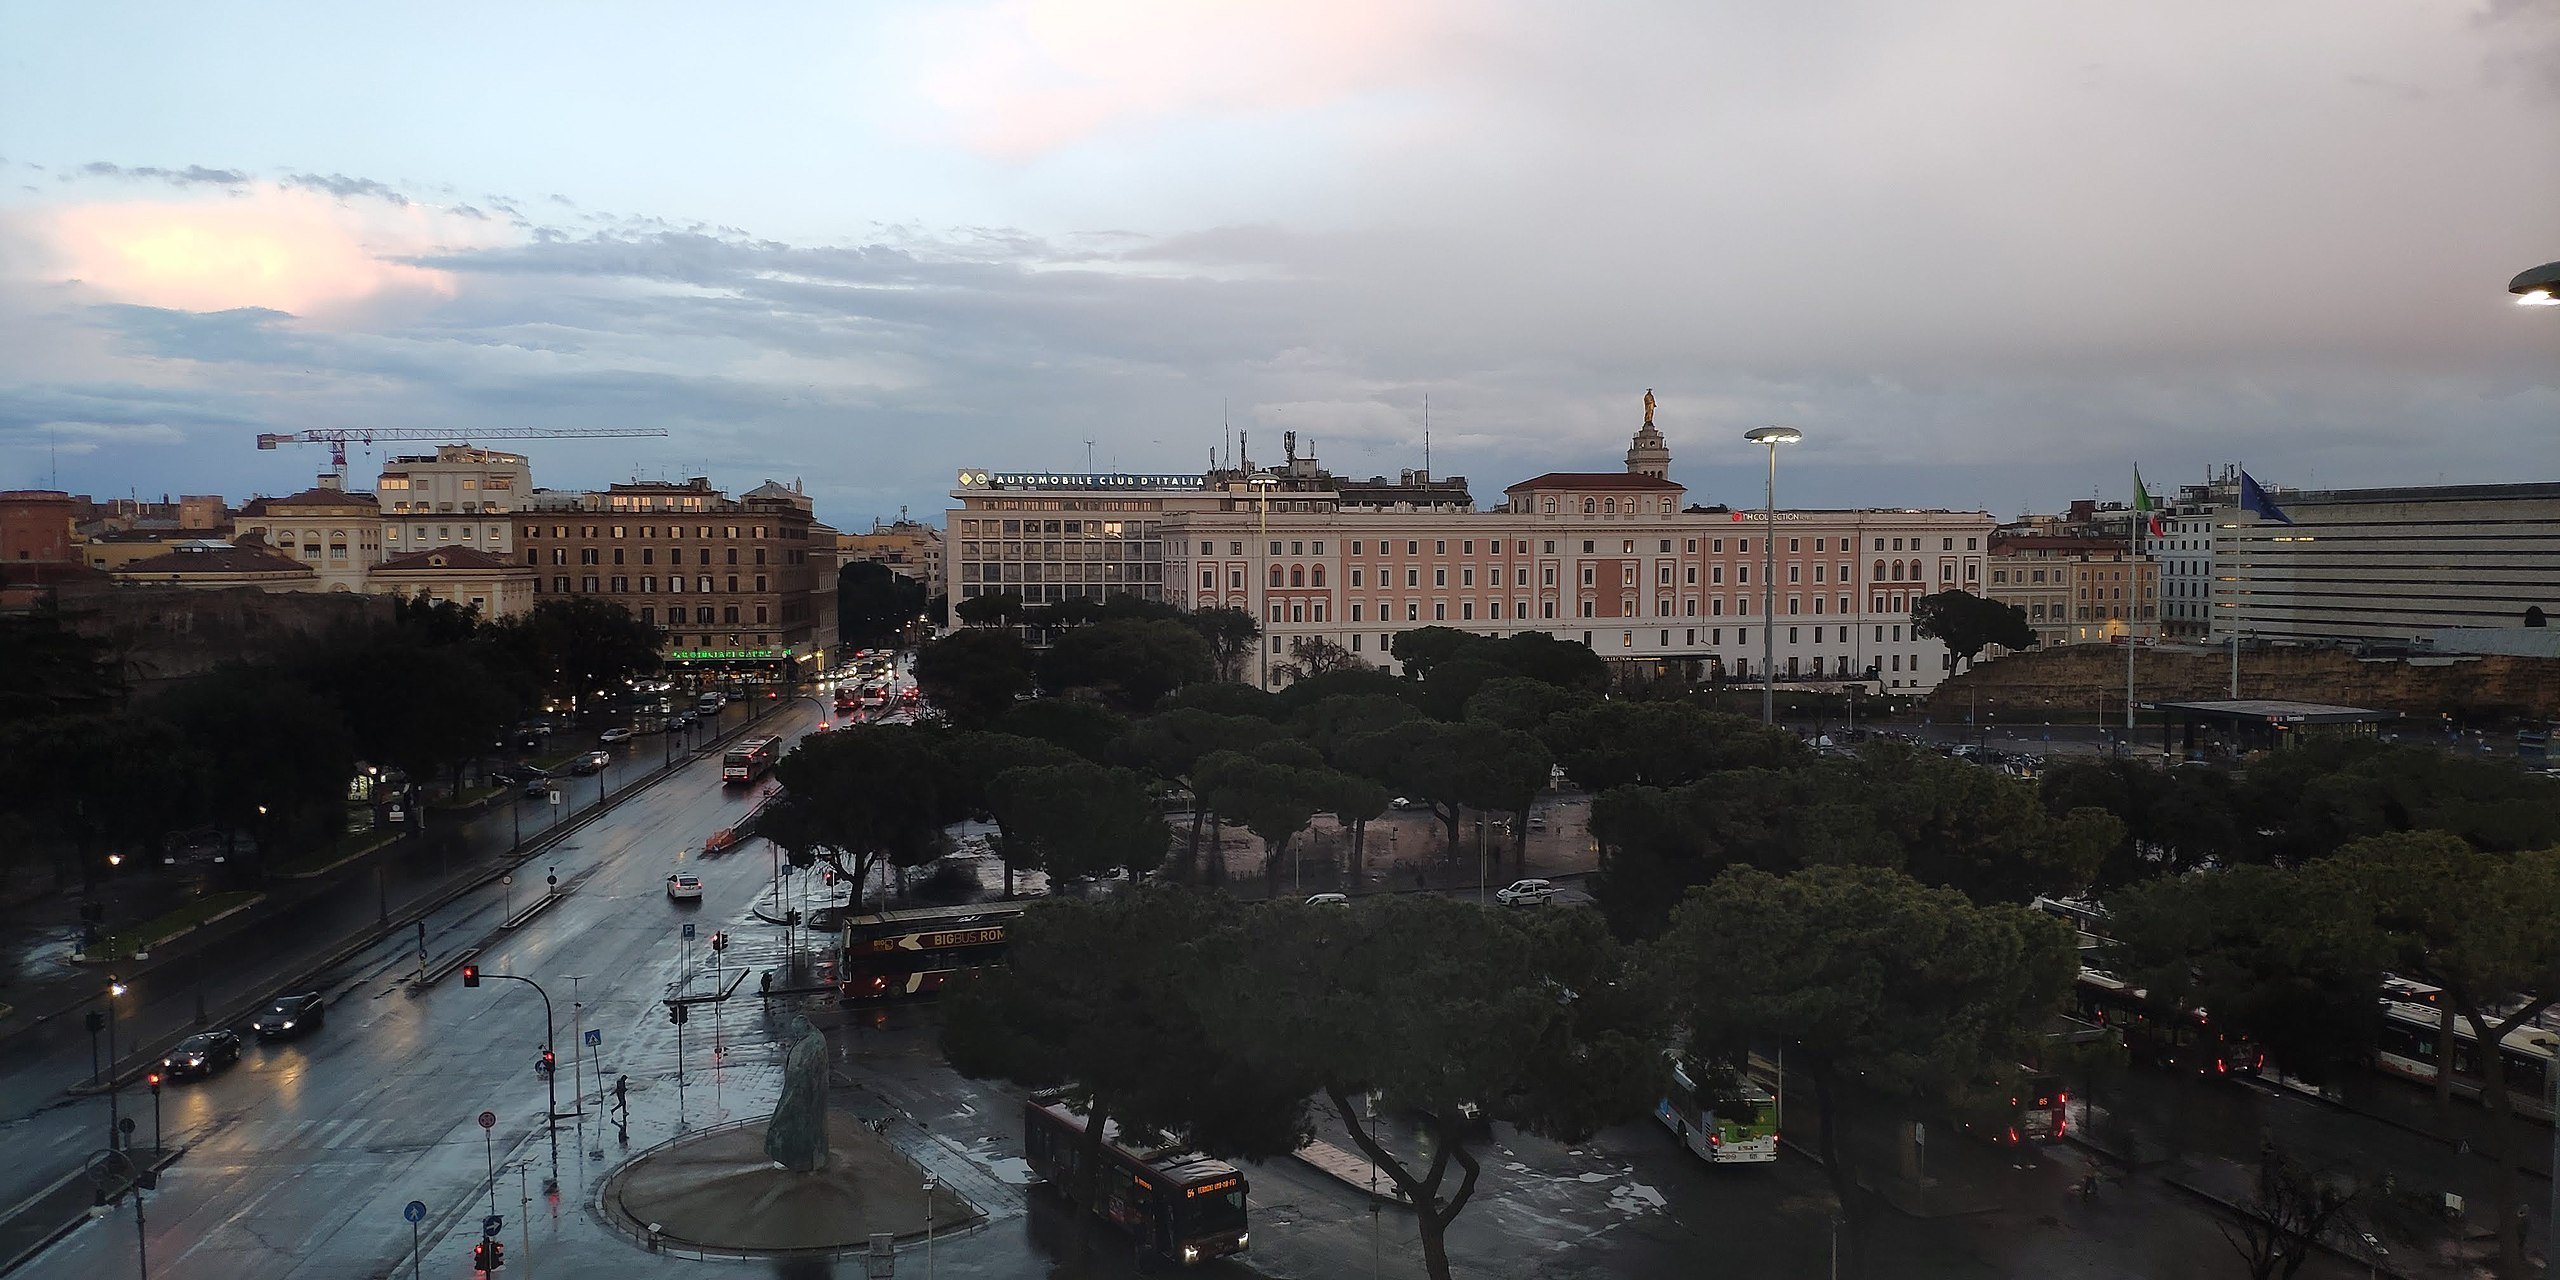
point(444, 558)
point(1594, 480)
point(225, 560)
point(311, 498)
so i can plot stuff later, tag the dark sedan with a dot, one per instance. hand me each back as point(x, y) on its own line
point(202, 1054)
point(290, 1016)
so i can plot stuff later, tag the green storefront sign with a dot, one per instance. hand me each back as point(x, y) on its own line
point(714, 655)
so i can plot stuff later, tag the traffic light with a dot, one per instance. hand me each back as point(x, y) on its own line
point(471, 975)
point(488, 1256)
point(154, 1078)
point(548, 1064)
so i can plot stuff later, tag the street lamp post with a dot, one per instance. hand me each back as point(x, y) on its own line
point(1772, 437)
point(1263, 483)
point(115, 991)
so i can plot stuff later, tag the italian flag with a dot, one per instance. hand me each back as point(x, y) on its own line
point(2145, 506)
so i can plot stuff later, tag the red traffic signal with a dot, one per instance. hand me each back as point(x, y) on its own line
point(154, 1079)
point(488, 1256)
point(471, 975)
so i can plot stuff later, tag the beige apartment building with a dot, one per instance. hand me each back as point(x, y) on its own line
point(2076, 588)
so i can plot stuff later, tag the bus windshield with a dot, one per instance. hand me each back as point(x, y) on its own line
point(1211, 1214)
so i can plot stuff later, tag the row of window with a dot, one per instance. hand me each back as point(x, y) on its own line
point(1314, 610)
point(1313, 575)
point(700, 531)
point(1796, 664)
point(1627, 546)
point(648, 555)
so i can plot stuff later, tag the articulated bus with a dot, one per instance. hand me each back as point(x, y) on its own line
point(892, 955)
point(749, 760)
point(1180, 1204)
point(2189, 1042)
point(2410, 1036)
point(1742, 1129)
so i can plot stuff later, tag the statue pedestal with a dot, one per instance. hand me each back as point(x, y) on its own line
point(717, 1191)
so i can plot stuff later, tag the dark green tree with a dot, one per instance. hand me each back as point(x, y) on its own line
point(1444, 1008)
point(47, 668)
point(1867, 977)
point(579, 646)
point(1967, 623)
point(1108, 999)
point(874, 607)
point(1519, 702)
point(1275, 799)
point(1226, 700)
point(1089, 729)
point(994, 609)
point(1171, 744)
point(1316, 656)
point(292, 788)
point(1663, 744)
point(1231, 634)
point(974, 675)
point(1132, 663)
point(859, 797)
point(1422, 648)
point(1077, 819)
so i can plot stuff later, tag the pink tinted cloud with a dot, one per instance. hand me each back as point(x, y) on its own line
point(1023, 78)
point(289, 250)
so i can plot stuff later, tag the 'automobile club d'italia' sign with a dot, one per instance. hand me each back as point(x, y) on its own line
point(975, 479)
point(695, 655)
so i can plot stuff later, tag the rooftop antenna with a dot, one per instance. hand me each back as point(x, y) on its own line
point(1230, 432)
point(1088, 455)
point(1426, 433)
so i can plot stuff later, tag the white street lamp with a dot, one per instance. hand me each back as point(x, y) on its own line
point(2539, 287)
point(1772, 437)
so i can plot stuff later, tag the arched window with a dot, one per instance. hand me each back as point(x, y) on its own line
point(1897, 571)
point(1609, 504)
point(1275, 575)
point(1297, 575)
point(1589, 507)
point(1879, 571)
point(1319, 578)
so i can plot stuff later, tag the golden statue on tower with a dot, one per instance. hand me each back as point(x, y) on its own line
point(1648, 406)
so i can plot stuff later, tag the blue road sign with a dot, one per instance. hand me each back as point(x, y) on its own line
point(416, 1212)
point(490, 1225)
point(595, 1039)
point(688, 931)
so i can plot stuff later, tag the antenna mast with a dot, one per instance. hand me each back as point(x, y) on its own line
point(1426, 433)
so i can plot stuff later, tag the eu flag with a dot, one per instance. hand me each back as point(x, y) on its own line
point(2253, 498)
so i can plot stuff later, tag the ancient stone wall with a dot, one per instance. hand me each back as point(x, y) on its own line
point(2080, 679)
point(166, 634)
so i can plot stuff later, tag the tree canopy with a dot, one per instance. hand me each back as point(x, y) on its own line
point(974, 676)
point(1967, 623)
point(875, 606)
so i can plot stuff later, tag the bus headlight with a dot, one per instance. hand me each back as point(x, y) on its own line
point(1190, 1254)
point(1242, 1238)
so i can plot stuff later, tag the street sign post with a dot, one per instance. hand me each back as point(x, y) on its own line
point(491, 1225)
point(489, 1149)
point(416, 1212)
point(595, 1039)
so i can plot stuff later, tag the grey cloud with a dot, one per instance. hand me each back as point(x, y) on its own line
point(346, 188)
point(192, 175)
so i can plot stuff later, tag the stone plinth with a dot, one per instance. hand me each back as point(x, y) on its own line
point(719, 1191)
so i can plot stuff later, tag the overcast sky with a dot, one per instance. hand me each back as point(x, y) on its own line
point(1986, 254)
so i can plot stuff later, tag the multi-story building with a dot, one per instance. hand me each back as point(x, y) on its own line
point(731, 579)
point(459, 496)
point(2189, 527)
point(2390, 565)
point(335, 532)
point(2075, 588)
point(494, 586)
point(910, 549)
point(1616, 560)
point(36, 525)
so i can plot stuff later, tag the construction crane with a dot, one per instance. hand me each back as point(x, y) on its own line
point(339, 438)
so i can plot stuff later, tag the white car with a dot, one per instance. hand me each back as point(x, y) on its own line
point(615, 735)
point(1526, 893)
point(683, 885)
point(1329, 900)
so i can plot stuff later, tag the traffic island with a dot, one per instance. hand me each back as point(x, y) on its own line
point(719, 1192)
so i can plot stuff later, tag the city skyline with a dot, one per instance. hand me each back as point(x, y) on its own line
point(1986, 257)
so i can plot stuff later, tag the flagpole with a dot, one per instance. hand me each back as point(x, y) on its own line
point(2133, 604)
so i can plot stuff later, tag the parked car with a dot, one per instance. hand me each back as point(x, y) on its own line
point(684, 886)
point(1329, 900)
point(202, 1054)
point(616, 735)
point(292, 1015)
point(1526, 893)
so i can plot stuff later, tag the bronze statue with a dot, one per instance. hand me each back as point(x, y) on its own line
point(796, 1137)
point(1648, 406)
